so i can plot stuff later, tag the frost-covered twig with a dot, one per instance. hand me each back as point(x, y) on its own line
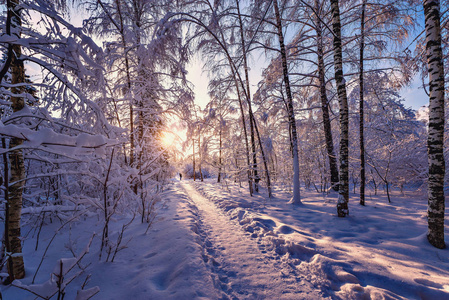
point(51, 241)
point(58, 281)
point(118, 246)
point(105, 235)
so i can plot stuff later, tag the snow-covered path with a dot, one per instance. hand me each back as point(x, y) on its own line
point(240, 265)
point(212, 241)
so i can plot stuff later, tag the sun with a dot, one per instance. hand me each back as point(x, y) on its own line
point(168, 139)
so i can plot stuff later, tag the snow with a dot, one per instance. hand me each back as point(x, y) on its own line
point(48, 137)
point(212, 241)
point(378, 251)
point(238, 266)
point(87, 294)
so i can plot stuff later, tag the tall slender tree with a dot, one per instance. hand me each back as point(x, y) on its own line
point(16, 268)
point(248, 95)
point(343, 190)
point(323, 96)
point(296, 199)
point(435, 140)
point(361, 107)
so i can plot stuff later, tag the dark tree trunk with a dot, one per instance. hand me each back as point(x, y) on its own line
point(333, 167)
point(219, 155)
point(128, 82)
point(343, 189)
point(248, 100)
point(16, 268)
point(387, 188)
point(291, 114)
point(435, 140)
point(193, 148)
point(200, 157)
point(245, 133)
point(361, 108)
point(265, 161)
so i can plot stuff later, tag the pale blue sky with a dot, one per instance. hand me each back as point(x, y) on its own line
point(414, 95)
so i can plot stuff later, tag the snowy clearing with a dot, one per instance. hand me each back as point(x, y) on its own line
point(216, 242)
point(380, 251)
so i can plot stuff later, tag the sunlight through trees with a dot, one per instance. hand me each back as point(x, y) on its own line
point(97, 120)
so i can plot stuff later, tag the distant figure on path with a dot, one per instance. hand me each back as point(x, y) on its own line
point(180, 176)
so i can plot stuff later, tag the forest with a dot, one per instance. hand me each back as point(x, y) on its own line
point(303, 159)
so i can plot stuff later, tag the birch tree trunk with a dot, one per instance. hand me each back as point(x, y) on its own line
point(219, 153)
point(239, 97)
point(436, 205)
point(193, 155)
point(251, 115)
point(245, 133)
point(16, 268)
point(343, 190)
point(361, 107)
point(121, 30)
point(248, 95)
point(137, 20)
point(291, 114)
point(325, 105)
point(200, 156)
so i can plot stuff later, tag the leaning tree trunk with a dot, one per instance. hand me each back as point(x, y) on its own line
point(361, 108)
point(13, 212)
point(264, 159)
point(343, 190)
point(251, 116)
point(333, 167)
point(248, 95)
point(291, 114)
point(245, 131)
point(436, 204)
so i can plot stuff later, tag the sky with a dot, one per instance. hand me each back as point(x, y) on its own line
point(414, 95)
point(200, 80)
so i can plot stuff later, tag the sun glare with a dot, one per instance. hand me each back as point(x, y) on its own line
point(168, 139)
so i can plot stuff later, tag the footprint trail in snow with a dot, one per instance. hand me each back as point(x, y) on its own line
point(239, 267)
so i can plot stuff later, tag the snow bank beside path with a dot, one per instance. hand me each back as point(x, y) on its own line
point(379, 252)
point(165, 263)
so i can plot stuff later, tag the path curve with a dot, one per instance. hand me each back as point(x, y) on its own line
point(239, 267)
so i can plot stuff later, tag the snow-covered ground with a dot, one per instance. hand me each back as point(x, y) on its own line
point(379, 251)
point(213, 241)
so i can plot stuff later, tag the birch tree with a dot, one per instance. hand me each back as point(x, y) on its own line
point(270, 18)
point(16, 268)
point(323, 95)
point(68, 60)
point(361, 106)
point(343, 190)
point(435, 139)
point(296, 199)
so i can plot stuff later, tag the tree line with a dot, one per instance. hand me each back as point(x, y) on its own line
point(333, 83)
